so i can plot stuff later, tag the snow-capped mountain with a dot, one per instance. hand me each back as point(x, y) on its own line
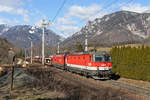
point(21, 34)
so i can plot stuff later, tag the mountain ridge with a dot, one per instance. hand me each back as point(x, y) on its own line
point(20, 35)
point(118, 27)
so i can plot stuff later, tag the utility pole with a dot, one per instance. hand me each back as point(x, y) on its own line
point(43, 27)
point(86, 42)
point(31, 38)
point(58, 48)
point(25, 56)
point(31, 51)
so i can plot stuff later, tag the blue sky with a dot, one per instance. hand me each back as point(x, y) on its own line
point(72, 17)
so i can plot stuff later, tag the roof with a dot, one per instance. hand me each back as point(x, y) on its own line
point(85, 53)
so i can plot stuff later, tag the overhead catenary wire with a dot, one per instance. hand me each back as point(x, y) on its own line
point(114, 24)
point(132, 18)
point(120, 6)
point(106, 7)
point(58, 11)
point(109, 5)
point(88, 17)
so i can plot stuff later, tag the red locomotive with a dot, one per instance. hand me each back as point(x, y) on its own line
point(94, 65)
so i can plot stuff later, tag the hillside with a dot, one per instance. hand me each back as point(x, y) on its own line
point(119, 27)
point(4, 46)
point(20, 35)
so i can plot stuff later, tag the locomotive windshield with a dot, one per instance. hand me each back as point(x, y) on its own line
point(99, 58)
point(102, 58)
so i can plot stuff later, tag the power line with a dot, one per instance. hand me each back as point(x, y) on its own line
point(100, 10)
point(88, 17)
point(111, 4)
point(58, 11)
point(122, 5)
point(130, 19)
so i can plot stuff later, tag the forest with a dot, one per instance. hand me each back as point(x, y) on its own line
point(131, 62)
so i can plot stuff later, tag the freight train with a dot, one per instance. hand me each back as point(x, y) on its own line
point(97, 66)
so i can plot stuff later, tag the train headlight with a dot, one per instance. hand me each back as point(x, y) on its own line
point(103, 65)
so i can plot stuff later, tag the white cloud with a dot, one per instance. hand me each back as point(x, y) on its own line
point(74, 16)
point(38, 23)
point(14, 7)
point(84, 12)
point(66, 20)
point(66, 30)
point(8, 21)
point(77, 13)
point(11, 3)
point(16, 11)
point(4, 21)
point(135, 7)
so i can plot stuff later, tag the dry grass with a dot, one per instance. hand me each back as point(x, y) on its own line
point(138, 83)
point(73, 90)
point(57, 85)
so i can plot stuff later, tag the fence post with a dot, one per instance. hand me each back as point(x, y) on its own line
point(11, 59)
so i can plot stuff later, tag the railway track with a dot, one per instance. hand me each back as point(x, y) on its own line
point(130, 87)
point(126, 90)
point(90, 84)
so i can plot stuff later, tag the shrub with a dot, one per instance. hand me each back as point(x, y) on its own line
point(131, 62)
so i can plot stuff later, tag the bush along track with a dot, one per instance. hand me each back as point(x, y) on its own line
point(131, 62)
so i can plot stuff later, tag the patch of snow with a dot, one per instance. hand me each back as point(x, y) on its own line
point(78, 33)
point(62, 38)
point(134, 30)
point(143, 22)
point(31, 31)
point(92, 26)
point(141, 34)
point(107, 18)
point(131, 27)
point(94, 22)
point(5, 29)
point(94, 31)
point(148, 19)
point(113, 15)
point(99, 21)
point(99, 32)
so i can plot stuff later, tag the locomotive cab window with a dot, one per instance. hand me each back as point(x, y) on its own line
point(102, 58)
point(99, 59)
